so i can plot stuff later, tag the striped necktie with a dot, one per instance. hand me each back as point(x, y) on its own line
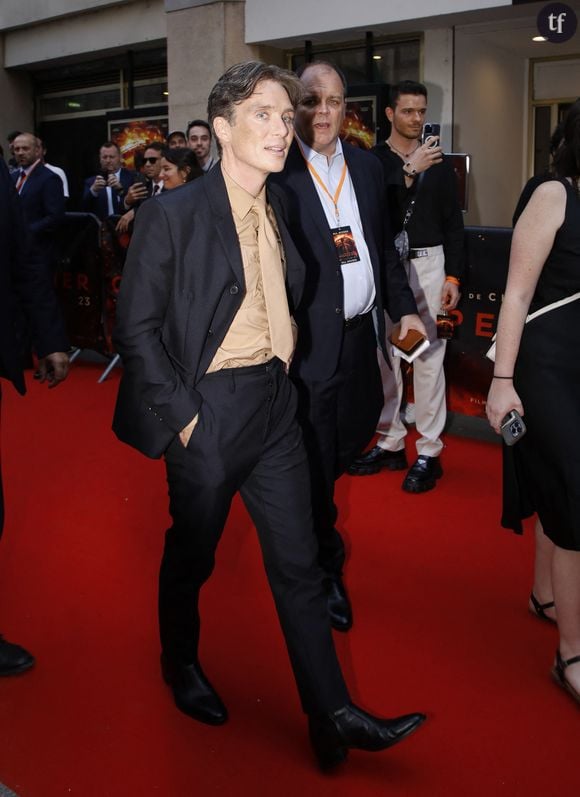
point(21, 179)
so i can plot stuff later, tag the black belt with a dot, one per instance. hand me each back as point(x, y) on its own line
point(243, 370)
point(355, 321)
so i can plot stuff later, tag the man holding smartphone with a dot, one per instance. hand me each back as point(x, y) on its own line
point(104, 193)
point(147, 184)
point(423, 200)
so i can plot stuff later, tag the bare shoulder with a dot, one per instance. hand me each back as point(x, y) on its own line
point(547, 206)
point(549, 191)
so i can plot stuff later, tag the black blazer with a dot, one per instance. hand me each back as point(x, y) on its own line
point(43, 202)
point(182, 285)
point(320, 316)
point(98, 205)
point(26, 291)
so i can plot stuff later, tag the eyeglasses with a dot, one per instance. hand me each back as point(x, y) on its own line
point(150, 160)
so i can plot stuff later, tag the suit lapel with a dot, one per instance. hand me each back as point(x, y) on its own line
point(306, 191)
point(223, 221)
point(33, 175)
point(366, 211)
point(362, 194)
point(294, 264)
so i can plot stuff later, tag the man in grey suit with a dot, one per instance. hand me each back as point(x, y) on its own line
point(205, 332)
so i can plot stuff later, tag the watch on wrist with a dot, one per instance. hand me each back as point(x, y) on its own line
point(409, 166)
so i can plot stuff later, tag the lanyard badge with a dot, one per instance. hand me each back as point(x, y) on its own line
point(342, 236)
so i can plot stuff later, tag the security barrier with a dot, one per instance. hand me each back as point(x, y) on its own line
point(91, 256)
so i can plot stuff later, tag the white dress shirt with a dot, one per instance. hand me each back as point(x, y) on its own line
point(26, 171)
point(358, 278)
point(110, 208)
point(209, 163)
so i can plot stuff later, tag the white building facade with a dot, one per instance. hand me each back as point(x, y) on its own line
point(66, 65)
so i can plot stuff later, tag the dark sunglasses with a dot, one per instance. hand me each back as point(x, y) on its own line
point(150, 160)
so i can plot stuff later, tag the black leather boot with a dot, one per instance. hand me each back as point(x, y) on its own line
point(332, 735)
point(193, 693)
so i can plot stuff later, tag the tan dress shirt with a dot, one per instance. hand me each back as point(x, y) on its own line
point(247, 341)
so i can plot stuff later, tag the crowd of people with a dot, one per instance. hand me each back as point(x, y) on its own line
point(115, 191)
point(257, 359)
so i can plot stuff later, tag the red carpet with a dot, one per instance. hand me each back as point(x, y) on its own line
point(441, 626)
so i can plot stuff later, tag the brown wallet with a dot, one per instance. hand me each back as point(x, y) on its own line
point(412, 340)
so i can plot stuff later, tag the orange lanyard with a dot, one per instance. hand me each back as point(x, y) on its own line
point(317, 177)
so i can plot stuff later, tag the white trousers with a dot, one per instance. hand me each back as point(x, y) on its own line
point(426, 278)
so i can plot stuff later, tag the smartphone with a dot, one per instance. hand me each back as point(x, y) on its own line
point(431, 129)
point(512, 428)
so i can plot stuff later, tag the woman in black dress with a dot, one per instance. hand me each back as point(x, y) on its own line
point(537, 372)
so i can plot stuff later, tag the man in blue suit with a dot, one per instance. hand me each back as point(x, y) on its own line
point(42, 196)
point(25, 290)
point(104, 193)
point(340, 226)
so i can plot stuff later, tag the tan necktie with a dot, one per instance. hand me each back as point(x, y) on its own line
point(273, 282)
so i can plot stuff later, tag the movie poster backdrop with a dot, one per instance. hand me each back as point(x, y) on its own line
point(365, 122)
point(468, 371)
point(133, 135)
point(79, 279)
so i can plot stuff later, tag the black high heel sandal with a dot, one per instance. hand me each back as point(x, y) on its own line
point(558, 674)
point(539, 609)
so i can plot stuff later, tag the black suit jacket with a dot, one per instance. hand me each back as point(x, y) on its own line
point(98, 204)
point(182, 285)
point(26, 290)
point(320, 316)
point(43, 202)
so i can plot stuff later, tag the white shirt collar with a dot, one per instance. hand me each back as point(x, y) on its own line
point(310, 154)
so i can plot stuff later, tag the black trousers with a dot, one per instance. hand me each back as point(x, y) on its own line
point(339, 417)
point(1, 489)
point(247, 439)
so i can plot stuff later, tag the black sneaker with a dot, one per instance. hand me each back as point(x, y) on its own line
point(375, 459)
point(423, 475)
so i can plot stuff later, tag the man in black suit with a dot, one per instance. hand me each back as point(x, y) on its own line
point(205, 332)
point(104, 194)
point(42, 198)
point(25, 290)
point(339, 224)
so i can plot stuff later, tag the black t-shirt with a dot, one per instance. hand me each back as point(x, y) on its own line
point(437, 217)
